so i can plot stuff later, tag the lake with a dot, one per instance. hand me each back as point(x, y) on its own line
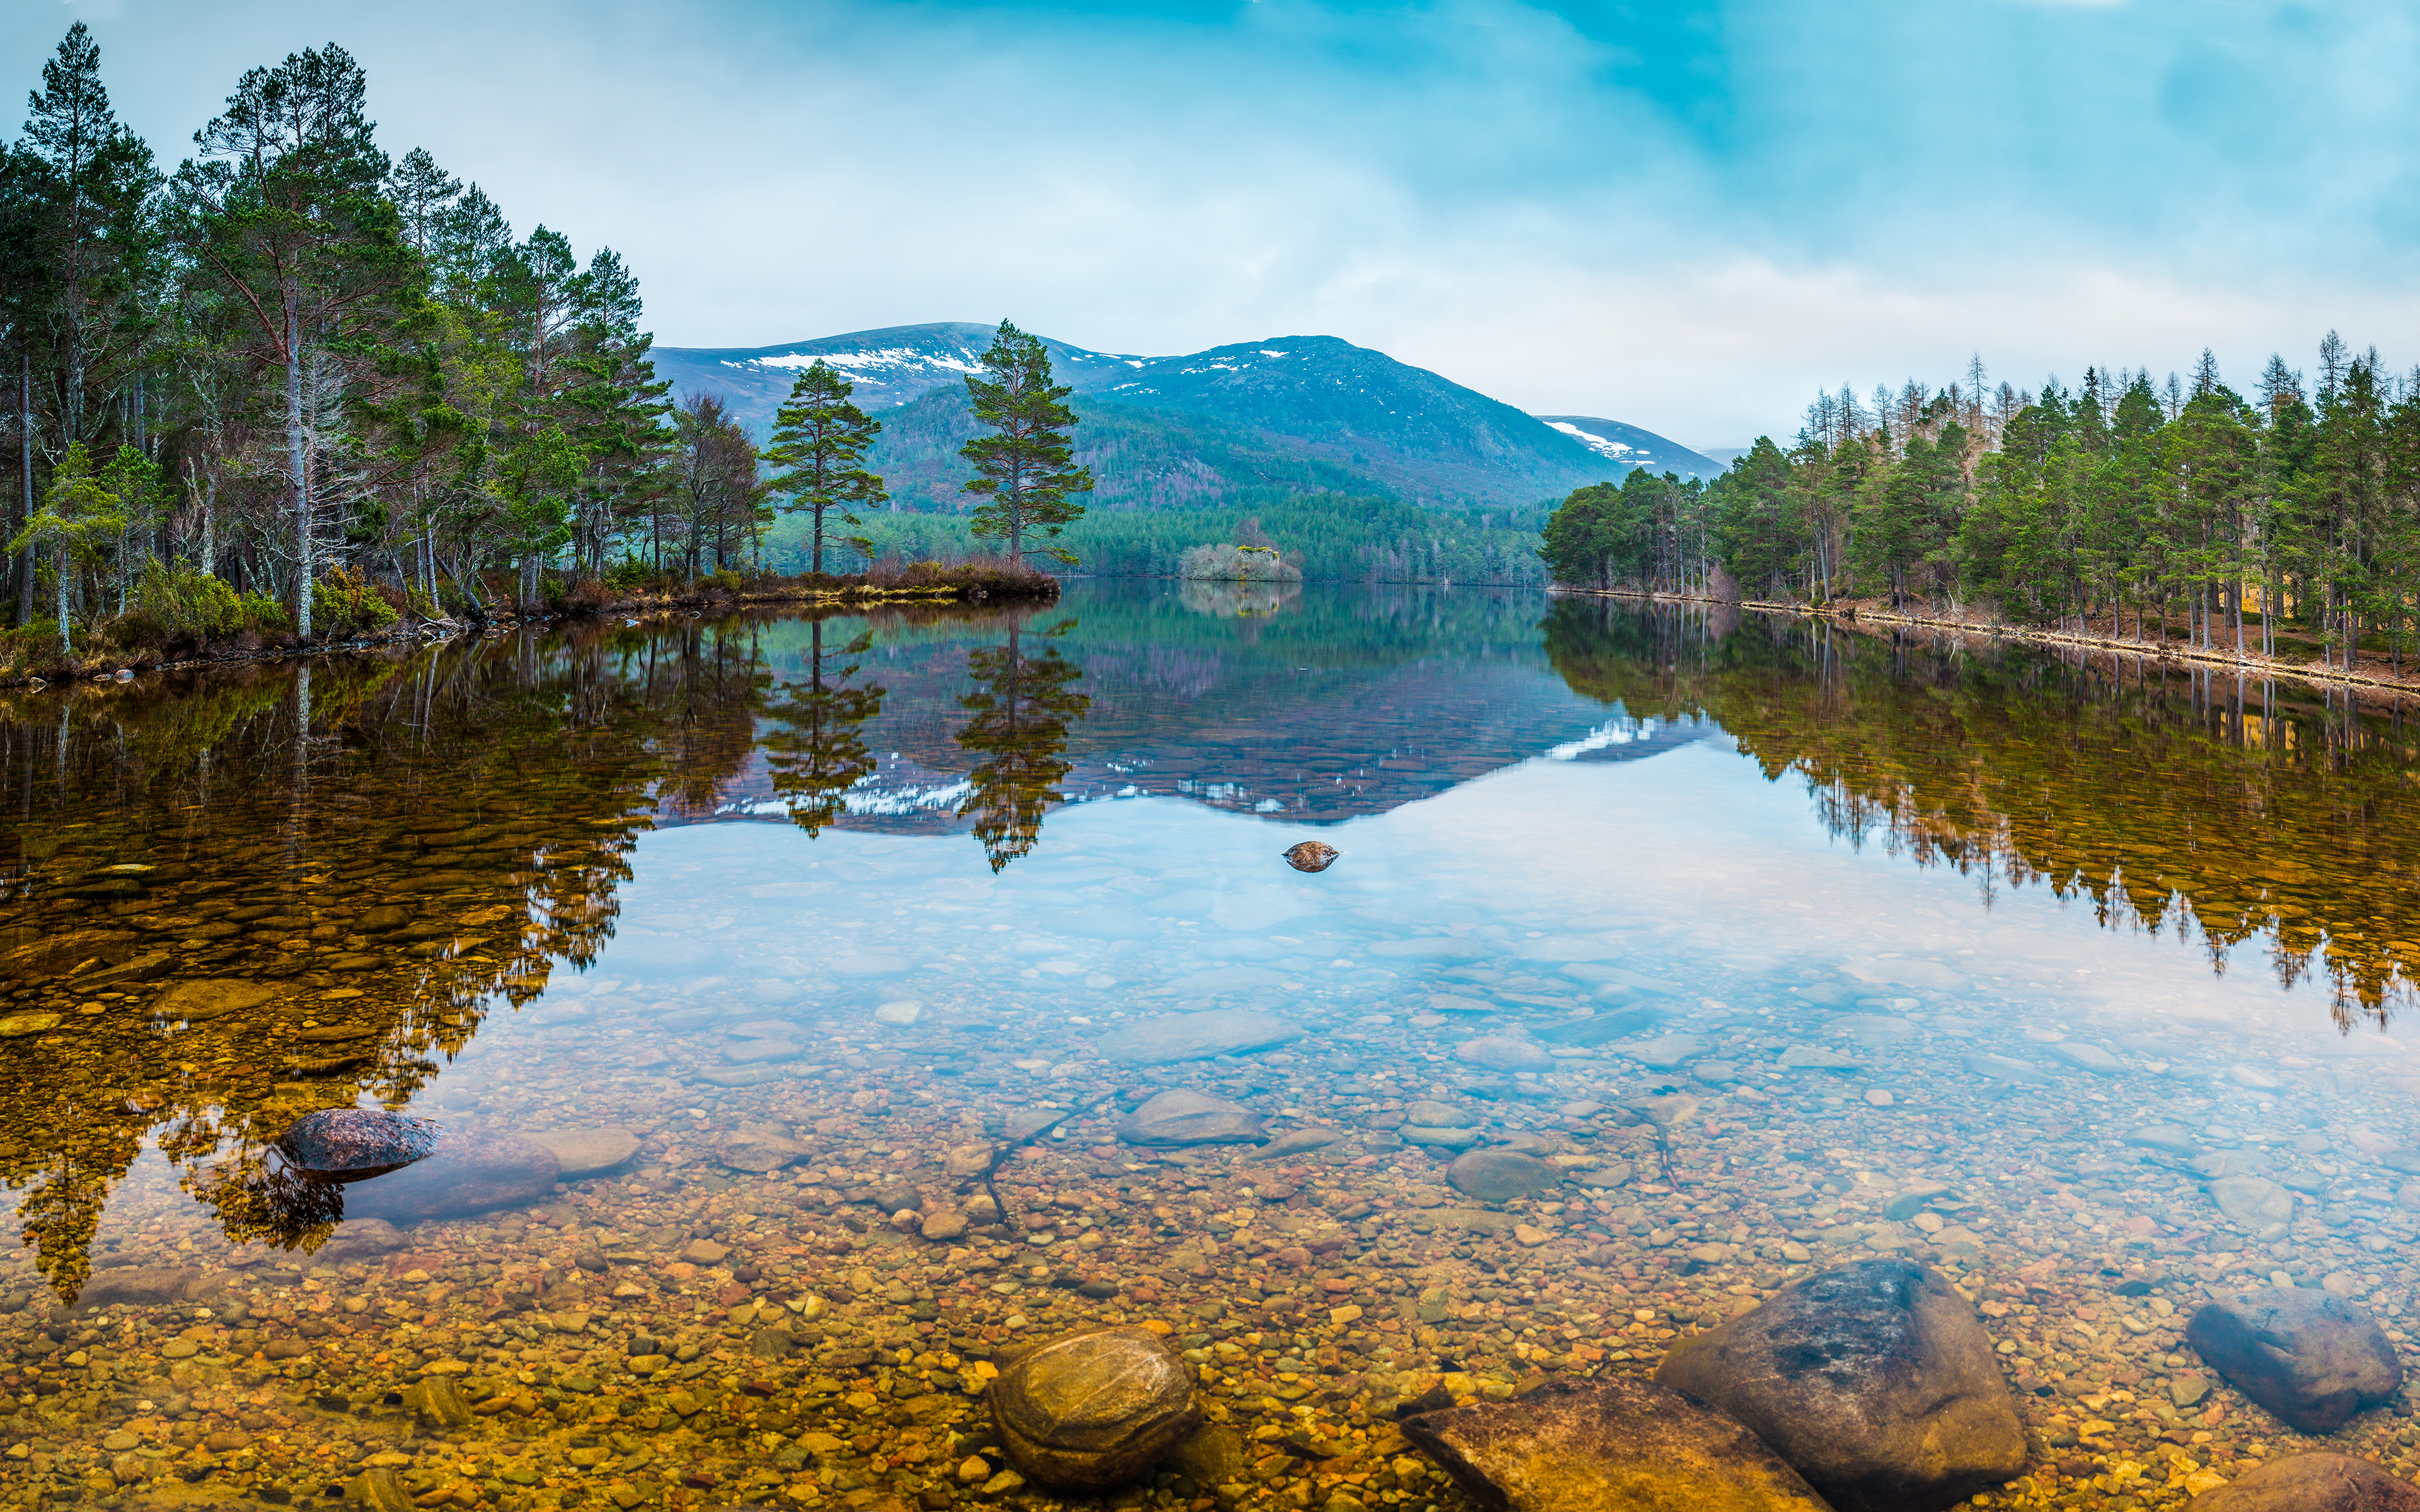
point(746, 970)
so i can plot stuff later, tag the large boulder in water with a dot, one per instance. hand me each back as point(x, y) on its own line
point(355, 1144)
point(1220, 1032)
point(1094, 1409)
point(1177, 1116)
point(466, 1173)
point(2312, 1483)
point(2311, 1358)
point(1875, 1381)
point(1616, 1446)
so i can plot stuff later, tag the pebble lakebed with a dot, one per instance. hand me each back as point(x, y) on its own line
point(749, 1308)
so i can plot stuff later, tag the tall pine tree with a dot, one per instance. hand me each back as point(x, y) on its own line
point(819, 441)
point(1026, 467)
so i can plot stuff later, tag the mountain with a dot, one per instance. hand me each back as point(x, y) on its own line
point(890, 367)
point(1633, 447)
point(1314, 413)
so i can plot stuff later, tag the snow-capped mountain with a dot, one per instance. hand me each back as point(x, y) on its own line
point(1314, 412)
point(1635, 448)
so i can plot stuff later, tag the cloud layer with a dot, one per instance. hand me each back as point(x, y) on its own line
point(1683, 215)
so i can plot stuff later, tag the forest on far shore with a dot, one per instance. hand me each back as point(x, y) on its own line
point(2287, 521)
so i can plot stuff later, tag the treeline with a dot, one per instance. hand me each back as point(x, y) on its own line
point(294, 382)
point(1330, 538)
point(2134, 508)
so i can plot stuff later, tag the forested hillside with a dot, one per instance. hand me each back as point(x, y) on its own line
point(2183, 506)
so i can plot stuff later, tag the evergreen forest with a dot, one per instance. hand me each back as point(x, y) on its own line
point(2283, 521)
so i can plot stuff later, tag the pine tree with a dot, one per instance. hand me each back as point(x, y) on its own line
point(284, 208)
point(819, 441)
point(78, 514)
point(1027, 466)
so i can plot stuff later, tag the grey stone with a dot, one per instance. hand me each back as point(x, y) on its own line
point(142, 1285)
point(1298, 1142)
point(2254, 1202)
point(1223, 1032)
point(1430, 1114)
point(1092, 1411)
point(377, 1490)
point(1616, 1446)
point(1503, 1052)
point(361, 1239)
point(943, 1226)
point(2312, 1483)
point(2188, 1390)
point(588, 1151)
point(2173, 1139)
point(1177, 1116)
point(2005, 1068)
point(1665, 1051)
point(1476, 1220)
point(467, 1173)
point(2311, 1358)
point(1500, 1175)
point(1414, 1133)
point(1875, 1379)
point(1211, 1455)
point(760, 1147)
point(2089, 1057)
point(1814, 1058)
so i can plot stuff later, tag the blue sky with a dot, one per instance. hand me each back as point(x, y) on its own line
point(1685, 216)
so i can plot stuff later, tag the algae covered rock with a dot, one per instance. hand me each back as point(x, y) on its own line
point(1616, 1446)
point(1096, 1410)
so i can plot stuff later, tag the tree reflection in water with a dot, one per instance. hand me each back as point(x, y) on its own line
point(1022, 707)
point(822, 752)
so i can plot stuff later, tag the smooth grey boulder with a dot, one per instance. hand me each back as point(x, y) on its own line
point(760, 1147)
point(2312, 1358)
point(1615, 1446)
point(2254, 1202)
point(466, 1173)
point(1503, 1052)
point(1501, 1175)
point(588, 1151)
point(2312, 1483)
point(1875, 1381)
point(1220, 1032)
point(1177, 1118)
point(1092, 1411)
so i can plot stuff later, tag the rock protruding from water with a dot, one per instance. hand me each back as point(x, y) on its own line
point(1219, 1031)
point(2312, 1483)
point(1310, 855)
point(466, 1173)
point(1615, 1446)
point(355, 1144)
point(1177, 1118)
point(1501, 1175)
point(1875, 1381)
point(1092, 1411)
point(2312, 1358)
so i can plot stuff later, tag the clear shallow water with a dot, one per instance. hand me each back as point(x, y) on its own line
point(763, 920)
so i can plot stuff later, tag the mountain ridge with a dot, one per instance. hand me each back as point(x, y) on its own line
point(1312, 413)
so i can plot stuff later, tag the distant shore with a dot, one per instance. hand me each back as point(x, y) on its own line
point(2365, 677)
point(701, 597)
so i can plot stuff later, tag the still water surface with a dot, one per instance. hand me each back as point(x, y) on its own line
point(730, 954)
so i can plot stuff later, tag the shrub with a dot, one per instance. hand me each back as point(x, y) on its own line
point(347, 604)
point(1237, 564)
point(627, 574)
point(726, 578)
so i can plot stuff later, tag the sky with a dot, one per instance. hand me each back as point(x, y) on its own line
point(1684, 215)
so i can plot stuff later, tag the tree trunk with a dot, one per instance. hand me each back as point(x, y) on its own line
point(294, 449)
point(25, 445)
